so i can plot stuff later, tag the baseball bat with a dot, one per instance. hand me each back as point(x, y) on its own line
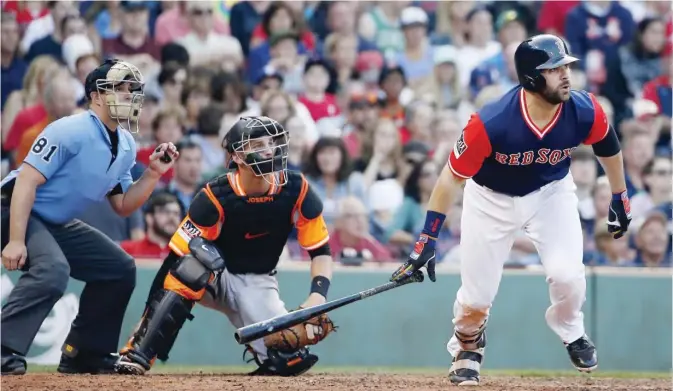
point(261, 329)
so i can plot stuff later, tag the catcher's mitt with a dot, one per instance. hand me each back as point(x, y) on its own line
point(296, 337)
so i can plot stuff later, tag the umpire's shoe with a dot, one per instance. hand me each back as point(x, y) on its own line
point(12, 364)
point(74, 361)
point(466, 366)
point(582, 354)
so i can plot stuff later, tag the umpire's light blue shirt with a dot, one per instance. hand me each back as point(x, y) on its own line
point(74, 154)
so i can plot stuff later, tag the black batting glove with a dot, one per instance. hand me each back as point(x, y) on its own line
point(619, 215)
point(422, 255)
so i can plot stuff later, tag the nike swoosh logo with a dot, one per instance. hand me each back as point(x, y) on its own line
point(254, 236)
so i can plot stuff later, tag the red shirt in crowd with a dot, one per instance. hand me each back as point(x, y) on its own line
point(22, 12)
point(25, 119)
point(328, 107)
point(143, 157)
point(378, 251)
point(144, 248)
point(553, 15)
point(117, 47)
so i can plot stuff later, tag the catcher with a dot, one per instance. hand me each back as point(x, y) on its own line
point(247, 214)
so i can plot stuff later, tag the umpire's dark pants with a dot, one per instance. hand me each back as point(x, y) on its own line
point(55, 253)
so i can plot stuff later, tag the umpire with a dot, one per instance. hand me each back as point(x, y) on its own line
point(74, 162)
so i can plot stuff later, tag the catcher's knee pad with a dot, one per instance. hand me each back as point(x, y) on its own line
point(287, 364)
point(167, 311)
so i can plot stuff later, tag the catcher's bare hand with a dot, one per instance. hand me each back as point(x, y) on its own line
point(313, 300)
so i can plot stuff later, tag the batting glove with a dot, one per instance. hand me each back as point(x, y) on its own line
point(422, 255)
point(619, 215)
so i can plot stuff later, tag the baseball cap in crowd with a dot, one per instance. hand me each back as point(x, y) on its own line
point(413, 16)
point(174, 52)
point(445, 54)
point(385, 195)
point(368, 60)
point(638, 223)
point(369, 64)
point(316, 61)
point(415, 151)
point(134, 5)
point(481, 77)
point(75, 47)
point(278, 37)
point(269, 72)
point(508, 16)
point(476, 10)
point(389, 70)
point(360, 100)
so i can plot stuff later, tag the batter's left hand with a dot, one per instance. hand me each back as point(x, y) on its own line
point(163, 158)
point(422, 255)
point(619, 215)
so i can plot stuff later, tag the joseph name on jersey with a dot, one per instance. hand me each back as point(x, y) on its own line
point(251, 231)
point(502, 149)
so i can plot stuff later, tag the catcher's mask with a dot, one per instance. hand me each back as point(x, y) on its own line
point(121, 88)
point(261, 143)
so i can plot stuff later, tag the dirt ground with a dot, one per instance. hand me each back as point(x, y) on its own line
point(315, 382)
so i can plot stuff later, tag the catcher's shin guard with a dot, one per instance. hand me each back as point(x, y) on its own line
point(165, 315)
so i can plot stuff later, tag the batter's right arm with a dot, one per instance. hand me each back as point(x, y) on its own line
point(466, 159)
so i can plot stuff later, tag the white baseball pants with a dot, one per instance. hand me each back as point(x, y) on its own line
point(490, 222)
point(247, 299)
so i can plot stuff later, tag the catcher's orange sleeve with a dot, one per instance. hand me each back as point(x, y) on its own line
point(311, 228)
point(204, 219)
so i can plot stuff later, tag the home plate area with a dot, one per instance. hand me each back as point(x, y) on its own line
point(317, 381)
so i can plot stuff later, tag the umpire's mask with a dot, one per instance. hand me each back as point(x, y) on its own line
point(262, 145)
point(122, 90)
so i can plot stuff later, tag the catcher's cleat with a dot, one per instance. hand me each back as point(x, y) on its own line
point(79, 362)
point(12, 364)
point(126, 366)
point(466, 366)
point(582, 354)
point(283, 364)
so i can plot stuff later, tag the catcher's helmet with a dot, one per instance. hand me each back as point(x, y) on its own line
point(124, 106)
point(537, 53)
point(267, 157)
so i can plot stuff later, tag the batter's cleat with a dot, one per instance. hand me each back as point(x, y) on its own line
point(582, 354)
point(466, 366)
point(12, 364)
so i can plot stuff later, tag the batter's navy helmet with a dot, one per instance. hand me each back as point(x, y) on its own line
point(537, 53)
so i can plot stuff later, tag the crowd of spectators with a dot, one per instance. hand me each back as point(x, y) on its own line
point(373, 94)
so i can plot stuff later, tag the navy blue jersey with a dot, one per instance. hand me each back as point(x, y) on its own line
point(502, 149)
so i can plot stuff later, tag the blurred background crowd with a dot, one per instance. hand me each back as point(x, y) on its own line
point(373, 94)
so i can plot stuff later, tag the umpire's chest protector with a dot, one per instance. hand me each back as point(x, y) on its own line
point(255, 228)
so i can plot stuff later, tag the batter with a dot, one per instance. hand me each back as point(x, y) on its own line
point(513, 159)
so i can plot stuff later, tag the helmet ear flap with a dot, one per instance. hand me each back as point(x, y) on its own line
point(534, 82)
